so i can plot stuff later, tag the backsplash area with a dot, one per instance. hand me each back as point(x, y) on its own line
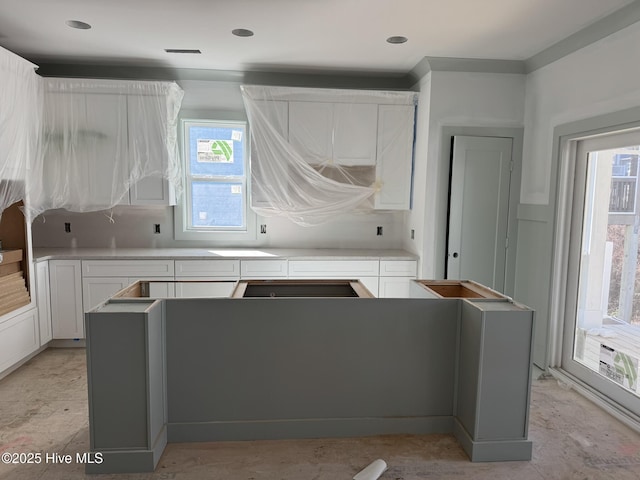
point(135, 227)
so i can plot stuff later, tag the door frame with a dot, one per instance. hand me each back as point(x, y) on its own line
point(565, 139)
point(448, 132)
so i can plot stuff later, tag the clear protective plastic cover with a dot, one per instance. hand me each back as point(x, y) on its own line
point(314, 151)
point(20, 120)
point(100, 137)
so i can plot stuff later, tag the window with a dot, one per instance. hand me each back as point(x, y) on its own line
point(215, 200)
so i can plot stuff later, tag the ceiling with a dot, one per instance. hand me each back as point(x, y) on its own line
point(333, 35)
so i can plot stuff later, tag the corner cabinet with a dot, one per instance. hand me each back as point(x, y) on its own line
point(67, 318)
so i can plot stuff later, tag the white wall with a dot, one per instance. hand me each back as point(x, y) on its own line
point(455, 99)
point(600, 78)
point(133, 227)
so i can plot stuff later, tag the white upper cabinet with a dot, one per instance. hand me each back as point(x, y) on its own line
point(357, 136)
point(146, 122)
point(277, 114)
point(85, 147)
point(95, 140)
point(311, 130)
point(354, 135)
point(344, 133)
point(394, 159)
point(106, 129)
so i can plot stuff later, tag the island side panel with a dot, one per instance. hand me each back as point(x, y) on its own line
point(329, 364)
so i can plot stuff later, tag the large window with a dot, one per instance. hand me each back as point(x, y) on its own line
point(215, 201)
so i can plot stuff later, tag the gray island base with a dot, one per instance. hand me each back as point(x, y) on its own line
point(196, 370)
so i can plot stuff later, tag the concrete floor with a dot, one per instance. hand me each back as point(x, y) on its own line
point(43, 408)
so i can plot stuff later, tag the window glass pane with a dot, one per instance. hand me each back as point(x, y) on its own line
point(607, 335)
point(216, 150)
point(217, 204)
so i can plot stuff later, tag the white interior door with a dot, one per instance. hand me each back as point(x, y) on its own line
point(479, 210)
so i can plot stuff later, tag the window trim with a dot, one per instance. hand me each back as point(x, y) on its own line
point(181, 210)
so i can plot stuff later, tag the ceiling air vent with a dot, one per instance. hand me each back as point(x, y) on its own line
point(182, 50)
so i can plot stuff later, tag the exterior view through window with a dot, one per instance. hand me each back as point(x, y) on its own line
point(216, 175)
point(607, 333)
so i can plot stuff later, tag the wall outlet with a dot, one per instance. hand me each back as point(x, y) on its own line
point(156, 228)
point(67, 227)
point(263, 228)
point(413, 234)
point(379, 231)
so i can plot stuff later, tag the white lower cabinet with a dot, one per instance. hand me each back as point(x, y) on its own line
point(206, 278)
point(96, 290)
point(395, 278)
point(203, 287)
point(43, 300)
point(207, 268)
point(263, 269)
point(67, 315)
point(18, 337)
point(101, 279)
point(364, 270)
point(394, 287)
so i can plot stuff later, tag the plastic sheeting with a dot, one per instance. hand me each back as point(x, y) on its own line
point(20, 120)
point(314, 150)
point(99, 138)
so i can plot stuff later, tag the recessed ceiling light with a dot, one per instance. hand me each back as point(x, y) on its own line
point(242, 32)
point(78, 24)
point(397, 39)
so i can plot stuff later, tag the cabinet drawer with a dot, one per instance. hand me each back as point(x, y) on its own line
point(263, 268)
point(333, 268)
point(398, 268)
point(207, 268)
point(18, 338)
point(127, 268)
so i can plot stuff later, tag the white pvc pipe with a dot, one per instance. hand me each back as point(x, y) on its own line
point(372, 471)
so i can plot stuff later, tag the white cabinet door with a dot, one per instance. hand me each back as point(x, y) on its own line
point(344, 132)
point(43, 299)
point(147, 129)
point(208, 268)
point(106, 148)
point(204, 289)
point(333, 268)
point(277, 114)
point(394, 158)
point(127, 268)
point(354, 133)
point(18, 338)
point(60, 113)
point(394, 287)
point(98, 289)
point(311, 130)
point(364, 270)
point(398, 268)
point(258, 269)
point(67, 317)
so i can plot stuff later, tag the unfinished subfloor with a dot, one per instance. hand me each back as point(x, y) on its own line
point(43, 409)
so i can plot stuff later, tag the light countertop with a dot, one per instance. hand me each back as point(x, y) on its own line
point(41, 254)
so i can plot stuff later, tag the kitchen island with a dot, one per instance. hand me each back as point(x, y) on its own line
point(191, 370)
